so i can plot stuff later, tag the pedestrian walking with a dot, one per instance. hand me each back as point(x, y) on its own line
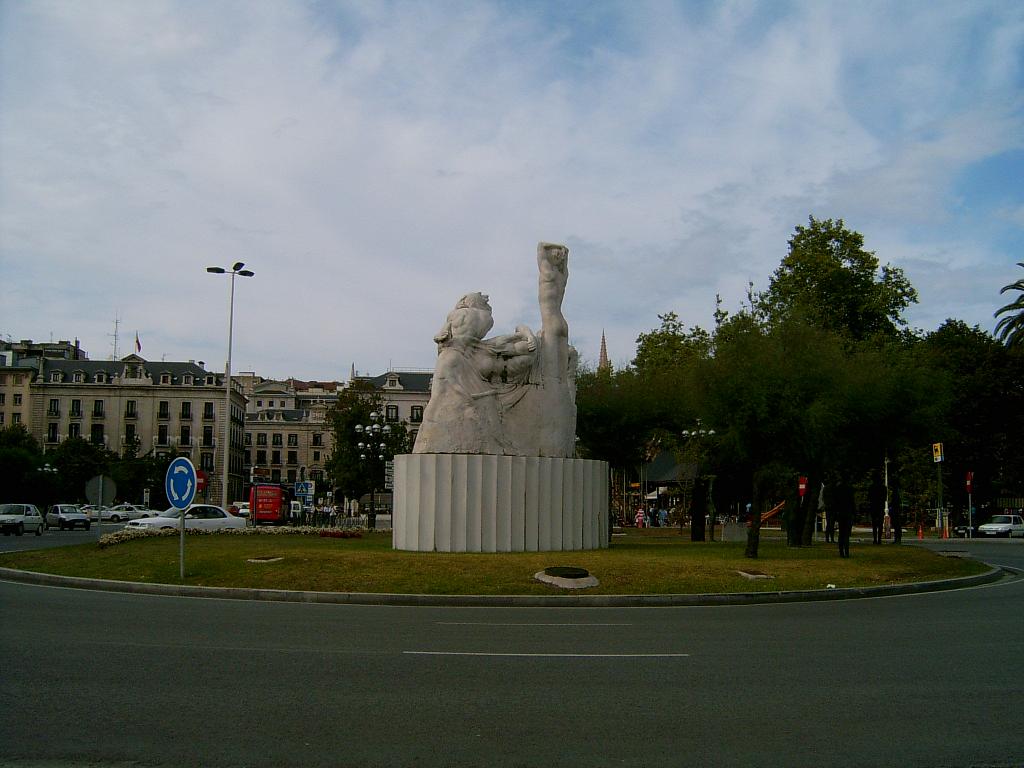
point(841, 506)
point(640, 518)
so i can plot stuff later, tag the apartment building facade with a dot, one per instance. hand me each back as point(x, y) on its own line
point(135, 405)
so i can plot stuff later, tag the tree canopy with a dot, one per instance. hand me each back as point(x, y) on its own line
point(828, 279)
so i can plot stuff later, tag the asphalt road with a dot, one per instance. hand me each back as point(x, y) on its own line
point(114, 680)
point(55, 538)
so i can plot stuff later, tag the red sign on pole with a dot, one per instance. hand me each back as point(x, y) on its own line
point(802, 485)
point(200, 481)
point(970, 482)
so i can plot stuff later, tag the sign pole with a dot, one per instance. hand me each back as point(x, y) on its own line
point(180, 485)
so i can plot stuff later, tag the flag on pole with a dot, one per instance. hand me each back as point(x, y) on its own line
point(138, 344)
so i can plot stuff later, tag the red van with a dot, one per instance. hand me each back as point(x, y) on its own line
point(268, 504)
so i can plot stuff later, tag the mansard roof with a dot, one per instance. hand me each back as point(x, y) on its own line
point(408, 381)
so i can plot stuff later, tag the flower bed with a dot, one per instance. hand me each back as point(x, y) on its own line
point(129, 534)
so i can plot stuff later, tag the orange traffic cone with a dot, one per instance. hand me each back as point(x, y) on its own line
point(920, 531)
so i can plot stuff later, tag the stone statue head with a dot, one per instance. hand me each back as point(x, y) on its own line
point(471, 319)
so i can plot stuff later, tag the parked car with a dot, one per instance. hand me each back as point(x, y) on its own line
point(65, 516)
point(18, 518)
point(126, 511)
point(107, 514)
point(1003, 525)
point(200, 516)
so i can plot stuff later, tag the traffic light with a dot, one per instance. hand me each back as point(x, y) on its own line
point(937, 452)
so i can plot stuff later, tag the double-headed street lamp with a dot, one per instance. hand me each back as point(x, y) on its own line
point(375, 434)
point(236, 269)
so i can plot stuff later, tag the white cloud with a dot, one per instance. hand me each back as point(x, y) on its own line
point(372, 162)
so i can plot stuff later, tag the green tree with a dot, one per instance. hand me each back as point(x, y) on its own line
point(77, 461)
point(20, 457)
point(670, 346)
point(356, 471)
point(1010, 329)
point(985, 416)
point(829, 279)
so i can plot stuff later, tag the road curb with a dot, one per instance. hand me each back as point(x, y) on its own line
point(499, 601)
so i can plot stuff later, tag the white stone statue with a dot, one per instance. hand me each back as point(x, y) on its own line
point(512, 395)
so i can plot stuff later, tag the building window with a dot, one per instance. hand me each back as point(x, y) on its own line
point(208, 411)
point(261, 438)
point(208, 436)
point(275, 475)
point(187, 379)
point(186, 435)
point(76, 408)
point(391, 413)
point(96, 434)
point(101, 378)
point(248, 438)
point(186, 410)
point(3, 398)
point(54, 408)
point(293, 457)
point(206, 462)
point(165, 378)
point(318, 439)
point(74, 430)
point(293, 441)
point(261, 458)
point(55, 377)
point(163, 410)
point(276, 439)
point(316, 475)
point(259, 403)
point(2, 417)
point(291, 475)
point(17, 399)
point(51, 432)
point(131, 409)
point(78, 377)
point(275, 457)
point(129, 434)
point(316, 455)
point(161, 435)
point(416, 414)
point(209, 381)
point(97, 409)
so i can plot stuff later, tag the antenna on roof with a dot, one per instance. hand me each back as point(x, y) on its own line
point(117, 323)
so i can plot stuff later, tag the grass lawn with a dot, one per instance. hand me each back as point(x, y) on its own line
point(654, 561)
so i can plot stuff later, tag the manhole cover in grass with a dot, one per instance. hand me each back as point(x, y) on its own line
point(567, 572)
point(566, 577)
point(268, 559)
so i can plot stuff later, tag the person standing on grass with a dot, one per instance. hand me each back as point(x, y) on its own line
point(840, 505)
point(640, 518)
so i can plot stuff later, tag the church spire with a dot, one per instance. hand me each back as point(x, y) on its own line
point(602, 362)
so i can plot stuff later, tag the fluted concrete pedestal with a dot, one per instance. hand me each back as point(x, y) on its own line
point(447, 502)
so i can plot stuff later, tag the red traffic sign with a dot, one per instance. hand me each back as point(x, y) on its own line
point(802, 485)
point(970, 482)
point(201, 480)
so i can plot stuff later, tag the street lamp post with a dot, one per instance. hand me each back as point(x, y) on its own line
point(373, 432)
point(698, 435)
point(236, 269)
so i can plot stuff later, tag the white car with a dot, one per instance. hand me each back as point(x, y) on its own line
point(198, 516)
point(126, 511)
point(1003, 525)
point(65, 516)
point(18, 518)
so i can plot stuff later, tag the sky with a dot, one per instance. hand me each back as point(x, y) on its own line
point(373, 161)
